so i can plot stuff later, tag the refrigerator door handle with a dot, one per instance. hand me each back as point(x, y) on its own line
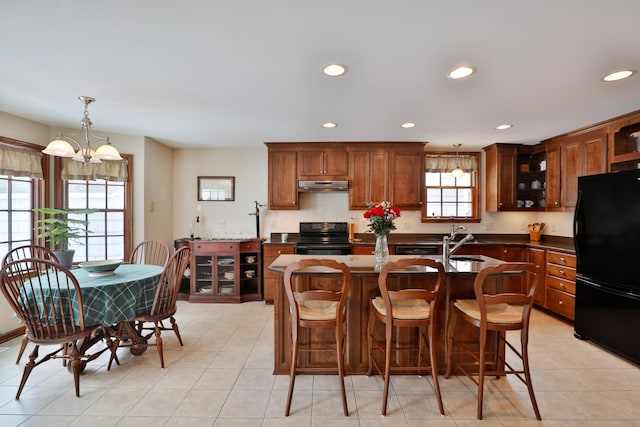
point(577, 226)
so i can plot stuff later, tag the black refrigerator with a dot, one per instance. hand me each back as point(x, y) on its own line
point(607, 241)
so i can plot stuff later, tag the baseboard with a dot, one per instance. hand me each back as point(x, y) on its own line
point(6, 336)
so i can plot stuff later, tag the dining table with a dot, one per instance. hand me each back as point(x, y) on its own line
point(111, 302)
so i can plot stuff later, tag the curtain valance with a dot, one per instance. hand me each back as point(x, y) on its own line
point(448, 162)
point(20, 162)
point(117, 171)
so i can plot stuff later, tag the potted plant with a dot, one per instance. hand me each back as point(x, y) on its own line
point(57, 228)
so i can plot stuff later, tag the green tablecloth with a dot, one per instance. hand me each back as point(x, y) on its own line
point(109, 300)
point(112, 299)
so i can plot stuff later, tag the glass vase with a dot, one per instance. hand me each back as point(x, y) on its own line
point(381, 252)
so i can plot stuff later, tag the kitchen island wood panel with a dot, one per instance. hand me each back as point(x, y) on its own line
point(459, 284)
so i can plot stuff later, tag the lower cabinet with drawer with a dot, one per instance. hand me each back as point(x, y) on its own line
point(560, 283)
point(271, 252)
point(225, 271)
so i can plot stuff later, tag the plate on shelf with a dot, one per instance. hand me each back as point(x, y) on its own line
point(205, 289)
point(225, 261)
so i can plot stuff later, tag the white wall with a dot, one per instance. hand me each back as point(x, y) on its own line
point(157, 206)
point(248, 166)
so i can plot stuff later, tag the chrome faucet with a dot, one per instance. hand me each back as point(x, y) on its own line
point(446, 240)
point(454, 230)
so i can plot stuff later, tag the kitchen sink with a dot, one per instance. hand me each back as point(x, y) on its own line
point(466, 258)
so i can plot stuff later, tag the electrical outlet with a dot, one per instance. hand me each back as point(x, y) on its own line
point(199, 207)
point(552, 228)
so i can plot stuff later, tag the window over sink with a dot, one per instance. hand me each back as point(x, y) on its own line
point(448, 197)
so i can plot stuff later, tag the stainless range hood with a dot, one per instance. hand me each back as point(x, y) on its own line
point(318, 186)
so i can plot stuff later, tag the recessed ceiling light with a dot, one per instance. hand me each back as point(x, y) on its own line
point(504, 126)
point(329, 125)
point(618, 75)
point(334, 70)
point(461, 72)
point(408, 125)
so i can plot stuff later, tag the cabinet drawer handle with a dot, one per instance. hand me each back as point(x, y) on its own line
point(559, 302)
point(562, 285)
point(562, 272)
point(562, 259)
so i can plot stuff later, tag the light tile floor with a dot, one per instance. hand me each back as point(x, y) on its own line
point(223, 377)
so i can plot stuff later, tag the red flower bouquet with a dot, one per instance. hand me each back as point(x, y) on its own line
point(381, 217)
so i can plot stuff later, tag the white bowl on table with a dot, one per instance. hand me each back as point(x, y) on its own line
point(100, 268)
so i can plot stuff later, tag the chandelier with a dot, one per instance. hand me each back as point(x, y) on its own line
point(81, 150)
point(458, 171)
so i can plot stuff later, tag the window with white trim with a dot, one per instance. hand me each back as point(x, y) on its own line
point(448, 197)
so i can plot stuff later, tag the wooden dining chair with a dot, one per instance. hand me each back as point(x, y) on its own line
point(22, 252)
point(317, 305)
point(410, 303)
point(164, 306)
point(155, 252)
point(39, 291)
point(495, 310)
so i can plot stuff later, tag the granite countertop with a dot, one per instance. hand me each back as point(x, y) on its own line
point(364, 264)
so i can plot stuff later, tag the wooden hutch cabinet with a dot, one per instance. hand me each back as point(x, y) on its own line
point(225, 270)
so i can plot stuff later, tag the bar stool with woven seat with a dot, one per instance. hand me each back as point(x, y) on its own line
point(412, 307)
point(316, 306)
point(499, 311)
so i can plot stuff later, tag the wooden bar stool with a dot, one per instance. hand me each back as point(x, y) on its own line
point(316, 306)
point(412, 307)
point(496, 310)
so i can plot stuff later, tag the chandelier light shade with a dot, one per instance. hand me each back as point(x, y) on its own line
point(458, 171)
point(81, 149)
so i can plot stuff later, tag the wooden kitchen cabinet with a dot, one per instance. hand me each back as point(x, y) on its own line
point(390, 172)
point(624, 143)
point(270, 253)
point(581, 155)
point(283, 176)
point(225, 271)
point(560, 283)
point(322, 163)
point(407, 172)
point(369, 175)
point(538, 258)
point(553, 175)
point(500, 177)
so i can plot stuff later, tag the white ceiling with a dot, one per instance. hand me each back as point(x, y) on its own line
point(238, 73)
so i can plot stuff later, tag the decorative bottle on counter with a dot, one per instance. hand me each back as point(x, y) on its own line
point(381, 251)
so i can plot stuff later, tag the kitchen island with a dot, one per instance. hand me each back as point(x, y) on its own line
point(461, 272)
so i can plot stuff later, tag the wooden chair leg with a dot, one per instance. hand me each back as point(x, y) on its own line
point(76, 367)
point(159, 344)
point(527, 372)
point(292, 370)
point(340, 355)
point(23, 346)
point(434, 368)
point(387, 367)
point(27, 370)
point(174, 326)
point(482, 367)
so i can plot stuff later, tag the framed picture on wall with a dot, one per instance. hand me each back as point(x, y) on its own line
point(216, 188)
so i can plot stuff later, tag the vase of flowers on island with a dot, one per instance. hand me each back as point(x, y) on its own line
point(381, 218)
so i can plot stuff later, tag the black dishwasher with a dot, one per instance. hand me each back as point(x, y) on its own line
point(417, 249)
